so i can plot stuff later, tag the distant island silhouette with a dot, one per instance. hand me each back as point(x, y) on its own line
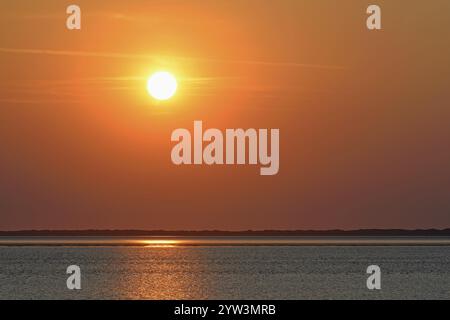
point(306, 233)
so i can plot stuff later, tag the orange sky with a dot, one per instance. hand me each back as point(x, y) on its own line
point(363, 116)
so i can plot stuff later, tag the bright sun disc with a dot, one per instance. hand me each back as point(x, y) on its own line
point(162, 85)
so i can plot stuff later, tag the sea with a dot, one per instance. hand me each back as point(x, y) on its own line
point(237, 268)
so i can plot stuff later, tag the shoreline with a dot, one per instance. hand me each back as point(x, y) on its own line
point(225, 233)
point(219, 241)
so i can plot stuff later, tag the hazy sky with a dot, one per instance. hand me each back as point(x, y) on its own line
point(363, 115)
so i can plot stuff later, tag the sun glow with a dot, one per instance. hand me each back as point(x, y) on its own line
point(162, 85)
point(160, 243)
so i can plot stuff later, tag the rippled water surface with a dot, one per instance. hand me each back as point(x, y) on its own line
point(166, 270)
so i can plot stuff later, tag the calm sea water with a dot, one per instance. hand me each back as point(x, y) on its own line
point(163, 268)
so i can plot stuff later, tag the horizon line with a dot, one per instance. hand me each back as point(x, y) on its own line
point(218, 231)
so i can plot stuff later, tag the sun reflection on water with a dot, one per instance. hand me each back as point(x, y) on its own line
point(152, 271)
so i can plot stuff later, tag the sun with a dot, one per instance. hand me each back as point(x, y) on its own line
point(162, 85)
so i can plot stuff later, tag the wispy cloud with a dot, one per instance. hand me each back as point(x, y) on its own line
point(57, 16)
point(75, 53)
point(36, 101)
point(116, 55)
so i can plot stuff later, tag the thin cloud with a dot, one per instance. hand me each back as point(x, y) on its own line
point(75, 53)
point(37, 101)
point(116, 55)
